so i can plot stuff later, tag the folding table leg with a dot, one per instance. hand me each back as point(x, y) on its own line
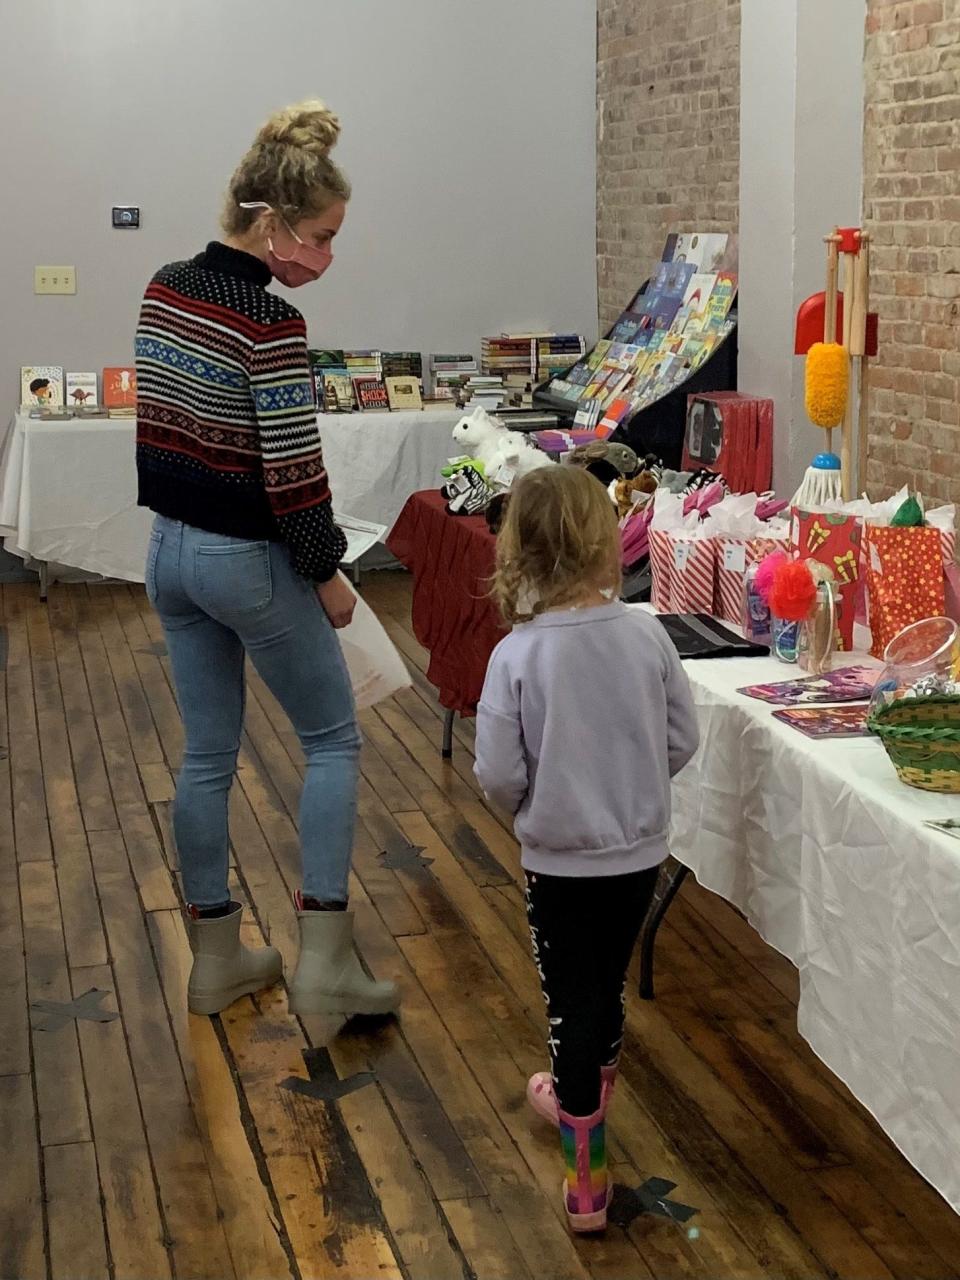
point(672, 876)
point(447, 748)
point(44, 580)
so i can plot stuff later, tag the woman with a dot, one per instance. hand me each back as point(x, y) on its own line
point(244, 555)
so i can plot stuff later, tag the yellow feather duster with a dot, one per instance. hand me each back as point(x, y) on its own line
point(827, 375)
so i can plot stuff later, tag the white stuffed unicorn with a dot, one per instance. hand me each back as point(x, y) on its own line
point(503, 453)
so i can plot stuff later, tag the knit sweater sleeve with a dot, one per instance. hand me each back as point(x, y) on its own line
point(293, 472)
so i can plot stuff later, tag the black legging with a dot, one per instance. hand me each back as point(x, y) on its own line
point(583, 931)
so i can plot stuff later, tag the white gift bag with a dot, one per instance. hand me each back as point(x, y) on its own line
point(376, 669)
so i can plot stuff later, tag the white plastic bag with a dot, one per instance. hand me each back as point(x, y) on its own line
point(376, 669)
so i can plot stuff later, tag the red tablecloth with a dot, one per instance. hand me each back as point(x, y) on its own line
point(451, 559)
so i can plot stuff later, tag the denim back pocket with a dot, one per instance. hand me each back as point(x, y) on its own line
point(234, 577)
point(153, 554)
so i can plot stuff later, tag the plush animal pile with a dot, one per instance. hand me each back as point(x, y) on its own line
point(506, 455)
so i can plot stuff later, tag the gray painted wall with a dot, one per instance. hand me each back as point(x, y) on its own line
point(468, 134)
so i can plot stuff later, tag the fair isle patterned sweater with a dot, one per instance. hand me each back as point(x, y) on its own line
point(227, 437)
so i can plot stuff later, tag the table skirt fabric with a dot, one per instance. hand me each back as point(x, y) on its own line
point(824, 851)
point(68, 490)
point(451, 559)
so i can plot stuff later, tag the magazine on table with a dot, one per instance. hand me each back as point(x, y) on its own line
point(826, 722)
point(847, 684)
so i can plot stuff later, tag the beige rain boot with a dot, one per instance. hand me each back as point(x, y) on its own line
point(223, 968)
point(329, 976)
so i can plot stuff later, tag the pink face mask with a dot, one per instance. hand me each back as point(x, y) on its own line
point(305, 264)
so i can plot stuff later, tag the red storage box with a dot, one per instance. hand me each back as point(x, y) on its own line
point(730, 434)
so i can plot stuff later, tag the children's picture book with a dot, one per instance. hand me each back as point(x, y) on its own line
point(826, 722)
point(698, 291)
point(82, 390)
point(848, 684)
point(371, 393)
point(41, 386)
point(721, 299)
point(704, 251)
point(404, 393)
point(120, 388)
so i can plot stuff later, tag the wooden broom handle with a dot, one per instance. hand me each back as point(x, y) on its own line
point(833, 270)
point(846, 433)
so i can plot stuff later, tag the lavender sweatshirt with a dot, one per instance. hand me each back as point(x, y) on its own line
point(585, 716)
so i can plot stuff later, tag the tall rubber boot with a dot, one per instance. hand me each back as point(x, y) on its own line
point(329, 976)
point(543, 1100)
point(223, 968)
point(587, 1188)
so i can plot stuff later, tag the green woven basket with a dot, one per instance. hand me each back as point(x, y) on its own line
point(922, 738)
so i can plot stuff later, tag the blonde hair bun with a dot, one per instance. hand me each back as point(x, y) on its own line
point(309, 125)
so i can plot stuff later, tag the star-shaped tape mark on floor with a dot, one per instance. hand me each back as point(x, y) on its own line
point(51, 1015)
point(650, 1198)
point(401, 855)
point(324, 1083)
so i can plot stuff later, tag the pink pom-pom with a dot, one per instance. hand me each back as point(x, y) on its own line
point(767, 567)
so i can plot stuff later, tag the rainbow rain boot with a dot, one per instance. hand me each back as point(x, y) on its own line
point(587, 1188)
point(543, 1100)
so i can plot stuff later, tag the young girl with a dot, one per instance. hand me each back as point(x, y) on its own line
point(585, 716)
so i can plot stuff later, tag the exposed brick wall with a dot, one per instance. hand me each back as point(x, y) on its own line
point(912, 207)
point(668, 100)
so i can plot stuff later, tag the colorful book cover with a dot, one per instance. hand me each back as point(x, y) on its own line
point(847, 684)
point(699, 289)
point(677, 280)
point(665, 312)
point(627, 327)
point(41, 386)
point(826, 722)
point(704, 251)
point(371, 393)
point(670, 248)
point(120, 388)
point(82, 390)
point(721, 299)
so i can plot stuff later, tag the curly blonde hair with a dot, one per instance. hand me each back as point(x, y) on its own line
point(560, 540)
point(289, 168)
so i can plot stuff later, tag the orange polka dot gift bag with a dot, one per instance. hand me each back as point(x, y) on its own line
point(905, 579)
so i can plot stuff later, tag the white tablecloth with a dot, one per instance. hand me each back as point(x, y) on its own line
point(823, 850)
point(68, 489)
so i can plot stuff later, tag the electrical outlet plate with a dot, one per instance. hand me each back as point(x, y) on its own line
point(55, 280)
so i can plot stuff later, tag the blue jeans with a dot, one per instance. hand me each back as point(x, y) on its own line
point(217, 598)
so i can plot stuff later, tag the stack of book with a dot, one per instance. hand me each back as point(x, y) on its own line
point(485, 392)
point(402, 364)
point(509, 353)
point(664, 336)
point(363, 364)
point(450, 374)
point(556, 352)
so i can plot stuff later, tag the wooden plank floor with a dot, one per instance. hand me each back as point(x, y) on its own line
point(162, 1145)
